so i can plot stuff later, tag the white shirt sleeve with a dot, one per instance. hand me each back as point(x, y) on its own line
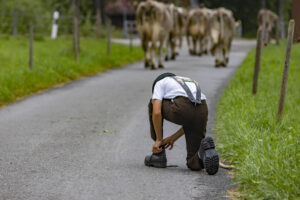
point(159, 91)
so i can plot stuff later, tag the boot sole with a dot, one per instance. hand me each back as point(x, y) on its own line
point(211, 158)
point(157, 165)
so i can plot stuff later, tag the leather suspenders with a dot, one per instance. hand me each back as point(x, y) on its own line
point(182, 82)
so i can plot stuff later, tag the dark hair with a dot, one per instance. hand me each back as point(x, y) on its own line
point(160, 77)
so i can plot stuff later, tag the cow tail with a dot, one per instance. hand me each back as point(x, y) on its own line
point(221, 26)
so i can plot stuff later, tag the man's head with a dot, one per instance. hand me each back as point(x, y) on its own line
point(160, 77)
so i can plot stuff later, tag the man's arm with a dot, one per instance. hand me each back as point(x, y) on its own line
point(178, 134)
point(169, 141)
point(157, 122)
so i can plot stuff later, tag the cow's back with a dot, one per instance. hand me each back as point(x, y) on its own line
point(197, 22)
point(152, 19)
point(222, 26)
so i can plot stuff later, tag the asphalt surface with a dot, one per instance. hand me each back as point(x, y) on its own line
point(88, 139)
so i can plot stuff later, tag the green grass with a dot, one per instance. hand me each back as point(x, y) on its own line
point(266, 153)
point(54, 63)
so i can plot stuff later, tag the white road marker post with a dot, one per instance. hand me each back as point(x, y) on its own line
point(55, 25)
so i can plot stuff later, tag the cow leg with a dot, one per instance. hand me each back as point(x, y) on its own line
point(223, 54)
point(177, 46)
point(205, 45)
point(200, 46)
point(161, 43)
point(152, 55)
point(173, 46)
point(194, 46)
point(188, 43)
point(146, 52)
point(180, 41)
point(228, 47)
point(266, 36)
point(218, 54)
point(167, 49)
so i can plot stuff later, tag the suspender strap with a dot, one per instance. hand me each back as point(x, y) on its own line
point(183, 84)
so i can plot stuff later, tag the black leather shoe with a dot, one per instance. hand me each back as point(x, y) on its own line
point(209, 155)
point(158, 160)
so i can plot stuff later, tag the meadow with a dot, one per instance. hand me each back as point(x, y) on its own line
point(265, 153)
point(54, 63)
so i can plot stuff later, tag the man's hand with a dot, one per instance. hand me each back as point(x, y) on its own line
point(168, 142)
point(155, 148)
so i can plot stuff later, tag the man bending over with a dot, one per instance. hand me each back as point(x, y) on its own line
point(179, 100)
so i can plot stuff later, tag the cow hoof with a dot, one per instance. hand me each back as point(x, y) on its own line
point(205, 52)
point(199, 54)
point(218, 64)
point(166, 58)
point(160, 66)
point(226, 60)
point(147, 64)
point(173, 57)
point(177, 54)
point(191, 52)
point(153, 67)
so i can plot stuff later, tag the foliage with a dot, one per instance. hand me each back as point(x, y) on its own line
point(27, 11)
point(40, 12)
point(265, 153)
point(247, 11)
point(54, 63)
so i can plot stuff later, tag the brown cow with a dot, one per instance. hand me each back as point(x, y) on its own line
point(206, 41)
point(222, 29)
point(197, 27)
point(269, 18)
point(178, 18)
point(154, 24)
point(182, 19)
point(174, 32)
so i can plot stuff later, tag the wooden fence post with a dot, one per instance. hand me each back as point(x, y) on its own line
point(31, 45)
point(76, 29)
point(286, 69)
point(108, 36)
point(15, 23)
point(98, 18)
point(259, 47)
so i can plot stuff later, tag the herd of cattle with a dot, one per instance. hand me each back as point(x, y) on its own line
point(163, 26)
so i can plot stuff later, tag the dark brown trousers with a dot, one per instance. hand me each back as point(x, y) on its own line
point(192, 117)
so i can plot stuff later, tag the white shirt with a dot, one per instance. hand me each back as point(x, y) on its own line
point(168, 88)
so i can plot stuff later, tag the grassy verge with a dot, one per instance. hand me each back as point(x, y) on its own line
point(266, 154)
point(54, 63)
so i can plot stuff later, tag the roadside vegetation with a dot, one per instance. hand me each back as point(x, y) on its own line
point(266, 154)
point(54, 63)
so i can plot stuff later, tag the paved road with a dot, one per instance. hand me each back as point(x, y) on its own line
point(88, 139)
